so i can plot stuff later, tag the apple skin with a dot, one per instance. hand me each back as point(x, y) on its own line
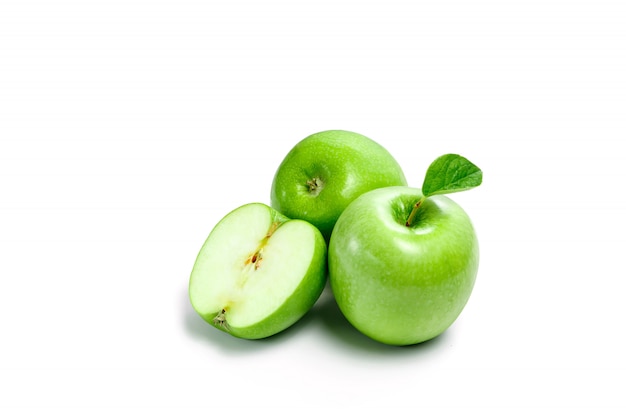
point(402, 285)
point(343, 164)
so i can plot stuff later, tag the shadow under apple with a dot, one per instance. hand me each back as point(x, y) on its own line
point(325, 311)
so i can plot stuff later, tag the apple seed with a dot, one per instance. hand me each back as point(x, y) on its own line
point(256, 257)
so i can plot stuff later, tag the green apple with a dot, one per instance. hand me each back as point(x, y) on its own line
point(402, 266)
point(326, 171)
point(258, 272)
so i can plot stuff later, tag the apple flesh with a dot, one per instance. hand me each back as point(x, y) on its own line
point(402, 285)
point(258, 272)
point(326, 171)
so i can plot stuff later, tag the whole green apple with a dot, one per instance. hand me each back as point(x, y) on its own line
point(402, 282)
point(326, 171)
point(258, 272)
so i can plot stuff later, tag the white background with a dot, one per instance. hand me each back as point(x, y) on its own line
point(129, 128)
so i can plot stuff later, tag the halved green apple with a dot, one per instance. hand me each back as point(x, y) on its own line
point(258, 272)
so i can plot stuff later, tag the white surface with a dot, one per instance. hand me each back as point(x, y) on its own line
point(129, 128)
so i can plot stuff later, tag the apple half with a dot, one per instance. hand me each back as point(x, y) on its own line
point(258, 272)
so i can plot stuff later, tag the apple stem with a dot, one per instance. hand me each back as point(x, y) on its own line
point(414, 211)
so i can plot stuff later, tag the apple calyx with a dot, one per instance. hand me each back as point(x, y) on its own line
point(220, 319)
point(450, 173)
point(315, 185)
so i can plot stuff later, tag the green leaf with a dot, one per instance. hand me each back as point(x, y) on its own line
point(451, 173)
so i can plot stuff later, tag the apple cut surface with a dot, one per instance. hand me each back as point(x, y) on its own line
point(258, 272)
